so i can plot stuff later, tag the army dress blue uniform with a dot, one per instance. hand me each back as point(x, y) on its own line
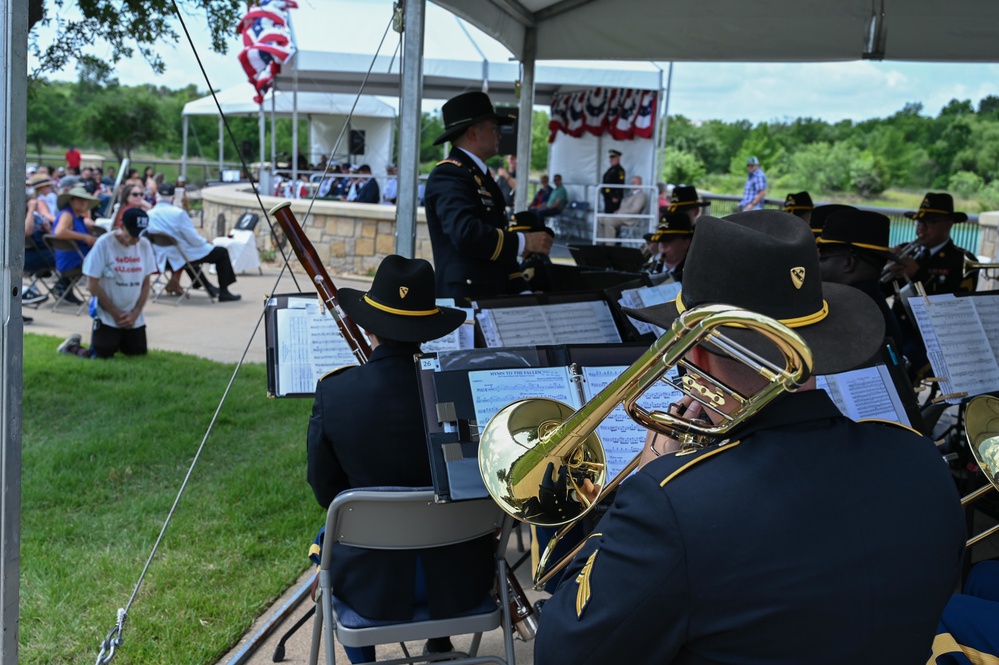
point(474, 255)
point(367, 430)
point(807, 539)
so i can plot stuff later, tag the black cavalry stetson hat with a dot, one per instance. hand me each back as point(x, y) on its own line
point(864, 230)
point(672, 225)
point(461, 112)
point(684, 196)
point(935, 206)
point(822, 213)
point(798, 202)
point(765, 261)
point(528, 221)
point(400, 304)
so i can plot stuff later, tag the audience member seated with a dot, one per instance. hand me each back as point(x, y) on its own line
point(540, 199)
point(165, 217)
point(352, 444)
point(853, 249)
point(686, 200)
point(37, 257)
point(131, 196)
point(634, 203)
point(118, 270)
point(391, 192)
point(367, 188)
point(47, 200)
point(556, 201)
point(533, 265)
point(73, 223)
point(800, 205)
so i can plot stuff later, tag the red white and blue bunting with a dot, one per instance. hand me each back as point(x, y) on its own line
point(267, 43)
point(624, 113)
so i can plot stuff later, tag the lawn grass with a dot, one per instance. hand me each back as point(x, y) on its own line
point(106, 446)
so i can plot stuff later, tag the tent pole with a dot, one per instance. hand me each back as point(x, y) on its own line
point(273, 136)
point(409, 128)
point(183, 159)
point(13, 128)
point(261, 126)
point(294, 130)
point(525, 119)
point(221, 146)
point(665, 121)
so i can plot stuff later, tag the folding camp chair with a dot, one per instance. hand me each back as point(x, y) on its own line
point(241, 243)
point(72, 277)
point(394, 518)
point(160, 239)
point(36, 276)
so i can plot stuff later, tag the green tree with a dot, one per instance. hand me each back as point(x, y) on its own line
point(966, 184)
point(539, 141)
point(126, 26)
point(48, 121)
point(124, 118)
point(681, 167)
point(431, 126)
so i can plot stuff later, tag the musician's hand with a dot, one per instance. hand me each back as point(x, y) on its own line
point(910, 268)
point(537, 242)
point(589, 490)
point(656, 444)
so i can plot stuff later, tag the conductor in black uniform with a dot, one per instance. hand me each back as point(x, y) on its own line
point(367, 430)
point(613, 176)
point(474, 253)
point(801, 536)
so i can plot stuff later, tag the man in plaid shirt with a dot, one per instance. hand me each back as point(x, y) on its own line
point(756, 186)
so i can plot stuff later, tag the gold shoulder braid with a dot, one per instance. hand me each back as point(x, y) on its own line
point(338, 370)
point(450, 161)
point(891, 423)
point(583, 582)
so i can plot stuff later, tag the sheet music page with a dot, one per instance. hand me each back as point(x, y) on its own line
point(581, 323)
point(958, 337)
point(632, 299)
point(646, 296)
point(865, 393)
point(492, 389)
point(622, 437)
point(535, 325)
point(987, 308)
point(462, 338)
point(310, 344)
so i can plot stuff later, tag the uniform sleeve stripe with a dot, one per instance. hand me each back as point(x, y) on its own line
point(944, 643)
point(499, 246)
point(700, 458)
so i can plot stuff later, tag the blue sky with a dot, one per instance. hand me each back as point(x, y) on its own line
point(701, 91)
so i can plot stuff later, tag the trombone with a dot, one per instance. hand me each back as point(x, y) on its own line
point(535, 455)
point(981, 427)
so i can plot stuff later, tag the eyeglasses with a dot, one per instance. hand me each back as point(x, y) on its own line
point(131, 194)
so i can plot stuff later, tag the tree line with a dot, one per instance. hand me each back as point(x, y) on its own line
point(957, 151)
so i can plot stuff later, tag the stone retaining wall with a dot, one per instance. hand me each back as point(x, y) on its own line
point(349, 237)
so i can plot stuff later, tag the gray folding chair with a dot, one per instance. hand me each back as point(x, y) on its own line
point(393, 518)
point(73, 276)
point(160, 239)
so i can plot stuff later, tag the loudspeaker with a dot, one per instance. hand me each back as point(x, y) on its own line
point(508, 133)
point(357, 142)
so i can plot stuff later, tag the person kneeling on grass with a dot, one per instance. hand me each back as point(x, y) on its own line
point(118, 269)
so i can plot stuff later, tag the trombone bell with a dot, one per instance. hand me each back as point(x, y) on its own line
point(981, 427)
point(527, 475)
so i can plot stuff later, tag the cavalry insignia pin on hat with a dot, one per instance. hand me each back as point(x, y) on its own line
point(672, 225)
point(798, 203)
point(528, 221)
point(685, 196)
point(400, 304)
point(765, 261)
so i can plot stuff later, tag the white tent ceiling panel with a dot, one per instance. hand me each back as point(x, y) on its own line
point(239, 101)
point(738, 31)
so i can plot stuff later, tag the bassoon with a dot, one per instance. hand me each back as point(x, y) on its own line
point(309, 259)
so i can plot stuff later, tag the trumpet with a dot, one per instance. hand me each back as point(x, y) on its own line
point(535, 455)
point(981, 428)
point(970, 266)
point(908, 251)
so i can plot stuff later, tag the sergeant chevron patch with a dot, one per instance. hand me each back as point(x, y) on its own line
point(583, 580)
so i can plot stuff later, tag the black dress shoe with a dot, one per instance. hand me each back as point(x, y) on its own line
point(212, 290)
point(225, 296)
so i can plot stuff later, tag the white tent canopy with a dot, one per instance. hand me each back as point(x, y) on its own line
point(739, 31)
point(238, 101)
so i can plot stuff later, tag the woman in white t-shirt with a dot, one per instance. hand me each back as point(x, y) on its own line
point(118, 267)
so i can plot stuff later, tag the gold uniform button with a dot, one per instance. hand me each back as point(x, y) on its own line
point(468, 281)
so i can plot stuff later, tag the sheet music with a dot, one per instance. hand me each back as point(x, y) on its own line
point(646, 296)
point(492, 389)
point(960, 349)
point(622, 437)
point(865, 393)
point(310, 344)
point(987, 308)
point(563, 323)
point(462, 338)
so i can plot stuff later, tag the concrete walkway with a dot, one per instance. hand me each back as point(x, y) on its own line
point(221, 332)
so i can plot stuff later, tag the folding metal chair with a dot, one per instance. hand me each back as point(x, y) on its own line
point(72, 277)
point(37, 276)
point(394, 518)
point(160, 239)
